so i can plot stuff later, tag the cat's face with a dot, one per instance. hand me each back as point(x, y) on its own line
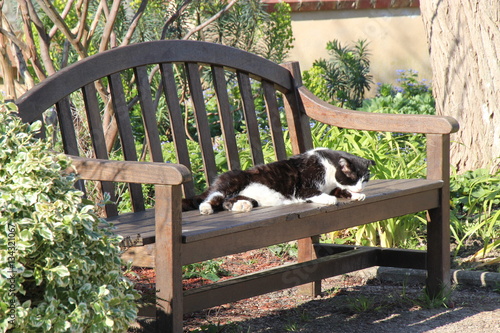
point(344, 170)
point(353, 173)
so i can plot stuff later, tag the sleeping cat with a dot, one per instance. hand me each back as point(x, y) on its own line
point(319, 176)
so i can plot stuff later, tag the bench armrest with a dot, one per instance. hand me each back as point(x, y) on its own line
point(130, 171)
point(326, 113)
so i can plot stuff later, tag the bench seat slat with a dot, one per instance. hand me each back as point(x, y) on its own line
point(198, 227)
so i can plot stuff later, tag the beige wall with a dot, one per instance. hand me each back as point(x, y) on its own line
point(396, 36)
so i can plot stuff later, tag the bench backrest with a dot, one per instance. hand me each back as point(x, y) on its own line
point(207, 106)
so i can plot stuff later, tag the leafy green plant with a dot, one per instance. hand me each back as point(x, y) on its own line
point(60, 264)
point(210, 270)
point(396, 156)
point(363, 304)
point(442, 299)
point(285, 249)
point(343, 79)
point(475, 198)
point(292, 326)
point(475, 195)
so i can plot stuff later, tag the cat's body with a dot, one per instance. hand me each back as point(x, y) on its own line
point(319, 175)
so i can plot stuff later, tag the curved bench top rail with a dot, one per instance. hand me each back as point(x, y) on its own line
point(112, 61)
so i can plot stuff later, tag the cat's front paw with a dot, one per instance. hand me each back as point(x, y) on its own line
point(242, 206)
point(358, 196)
point(206, 208)
point(324, 199)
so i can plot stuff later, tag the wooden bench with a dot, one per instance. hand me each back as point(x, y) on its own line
point(181, 73)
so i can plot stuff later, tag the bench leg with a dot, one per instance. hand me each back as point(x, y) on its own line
point(438, 252)
point(438, 228)
point(306, 253)
point(168, 259)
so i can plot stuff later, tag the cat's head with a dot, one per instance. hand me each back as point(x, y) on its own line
point(352, 172)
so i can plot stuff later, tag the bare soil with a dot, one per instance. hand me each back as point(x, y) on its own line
point(349, 304)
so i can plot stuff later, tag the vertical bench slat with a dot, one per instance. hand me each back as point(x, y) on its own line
point(297, 120)
point(250, 118)
point(204, 137)
point(148, 113)
point(226, 119)
point(68, 134)
point(126, 135)
point(94, 121)
point(274, 120)
point(298, 125)
point(98, 141)
point(176, 122)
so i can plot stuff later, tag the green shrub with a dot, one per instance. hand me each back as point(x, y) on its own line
point(60, 263)
point(409, 97)
point(397, 156)
point(342, 79)
point(475, 215)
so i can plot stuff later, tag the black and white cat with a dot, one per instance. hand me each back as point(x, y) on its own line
point(319, 176)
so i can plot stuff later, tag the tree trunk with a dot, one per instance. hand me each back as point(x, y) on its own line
point(464, 43)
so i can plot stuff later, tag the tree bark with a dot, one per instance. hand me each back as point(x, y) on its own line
point(464, 44)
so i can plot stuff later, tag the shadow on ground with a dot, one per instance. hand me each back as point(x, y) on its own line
point(349, 308)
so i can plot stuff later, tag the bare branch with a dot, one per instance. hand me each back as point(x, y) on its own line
point(54, 16)
point(15, 51)
point(30, 54)
point(83, 13)
point(13, 39)
point(213, 18)
point(110, 21)
point(31, 17)
point(174, 17)
point(94, 24)
point(135, 21)
point(8, 72)
point(65, 12)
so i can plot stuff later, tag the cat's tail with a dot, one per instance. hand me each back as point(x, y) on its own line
point(193, 203)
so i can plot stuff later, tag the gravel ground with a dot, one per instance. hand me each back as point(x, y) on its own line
point(350, 306)
point(357, 302)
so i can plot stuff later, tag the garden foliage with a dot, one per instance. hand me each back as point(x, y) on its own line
point(475, 195)
point(60, 264)
point(475, 215)
point(343, 78)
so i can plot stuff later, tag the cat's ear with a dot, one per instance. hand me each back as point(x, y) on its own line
point(345, 165)
point(371, 162)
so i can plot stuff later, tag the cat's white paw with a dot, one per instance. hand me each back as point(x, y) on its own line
point(206, 208)
point(358, 196)
point(242, 206)
point(324, 199)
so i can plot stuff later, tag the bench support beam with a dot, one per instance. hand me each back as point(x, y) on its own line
point(286, 276)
